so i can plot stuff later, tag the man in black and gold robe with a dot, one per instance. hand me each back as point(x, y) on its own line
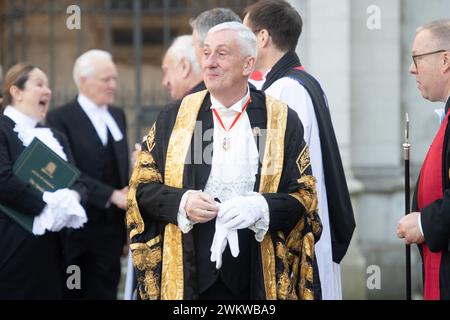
point(226, 161)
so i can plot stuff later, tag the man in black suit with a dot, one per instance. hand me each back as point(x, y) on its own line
point(97, 136)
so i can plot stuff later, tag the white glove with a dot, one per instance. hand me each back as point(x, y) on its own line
point(221, 237)
point(62, 210)
point(243, 211)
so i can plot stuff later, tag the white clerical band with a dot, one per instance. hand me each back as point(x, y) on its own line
point(101, 119)
point(112, 126)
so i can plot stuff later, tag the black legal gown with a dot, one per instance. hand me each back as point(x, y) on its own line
point(31, 267)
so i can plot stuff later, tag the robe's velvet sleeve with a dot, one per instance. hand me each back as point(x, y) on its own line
point(435, 220)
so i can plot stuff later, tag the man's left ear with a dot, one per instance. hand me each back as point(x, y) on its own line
point(446, 61)
point(185, 67)
point(264, 37)
point(249, 66)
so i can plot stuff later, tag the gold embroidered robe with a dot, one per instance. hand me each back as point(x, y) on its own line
point(163, 256)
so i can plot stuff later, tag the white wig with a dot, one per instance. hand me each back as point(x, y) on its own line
point(85, 64)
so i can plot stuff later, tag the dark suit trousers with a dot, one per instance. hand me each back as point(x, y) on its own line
point(219, 291)
point(97, 250)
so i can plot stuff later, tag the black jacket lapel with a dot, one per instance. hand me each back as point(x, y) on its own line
point(120, 150)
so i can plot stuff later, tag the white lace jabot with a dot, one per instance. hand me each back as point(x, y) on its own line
point(233, 171)
point(27, 131)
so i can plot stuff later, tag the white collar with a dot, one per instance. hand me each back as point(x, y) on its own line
point(19, 118)
point(215, 104)
point(89, 106)
point(101, 119)
point(26, 131)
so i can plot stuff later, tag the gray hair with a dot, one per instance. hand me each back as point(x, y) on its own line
point(440, 31)
point(210, 18)
point(85, 64)
point(182, 47)
point(246, 38)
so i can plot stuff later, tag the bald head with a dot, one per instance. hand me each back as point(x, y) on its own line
point(439, 33)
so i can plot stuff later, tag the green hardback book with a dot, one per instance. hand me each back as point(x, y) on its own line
point(43, 169)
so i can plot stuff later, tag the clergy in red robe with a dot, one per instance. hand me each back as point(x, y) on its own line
point(429, 224)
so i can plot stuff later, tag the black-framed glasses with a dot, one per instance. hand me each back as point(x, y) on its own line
point(414, 57)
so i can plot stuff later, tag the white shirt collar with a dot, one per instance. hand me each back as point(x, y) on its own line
point(88, 105)
point(215, 104)
point(101, 119)
point(19, 118)
point(26, 131)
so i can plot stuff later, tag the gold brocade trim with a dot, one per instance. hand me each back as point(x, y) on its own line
point(180, 139)
point(151, 285)
point(272, 165)
point(269, 270)
point(271, 170)
point(306, 271)
point(307, 195)
point(172, 282)
point(284, 281)
point(151, 138)
point(146, 257)
point(294, 240)
point(144, 171)
point(303, 160)
point(291, 249)
point(149, 243)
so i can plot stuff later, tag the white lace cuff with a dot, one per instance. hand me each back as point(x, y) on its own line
point(261, 226)
point(183, 221)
